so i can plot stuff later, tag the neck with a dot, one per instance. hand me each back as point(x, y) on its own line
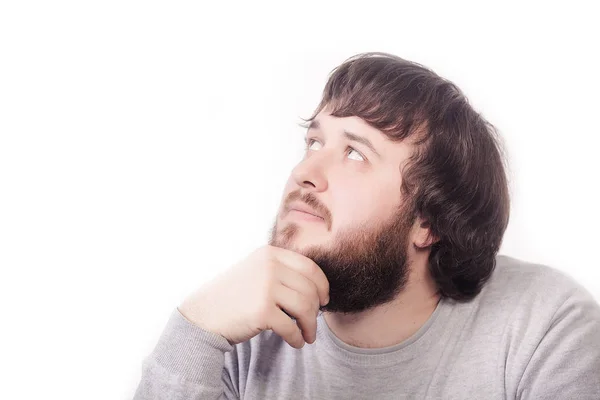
point(408, 311)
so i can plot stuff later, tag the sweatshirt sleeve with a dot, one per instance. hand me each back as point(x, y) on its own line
point(566, 362)
point(187, 363)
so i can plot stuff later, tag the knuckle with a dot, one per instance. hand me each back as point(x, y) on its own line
point(306, 308)
point(269, 251)
point(312, 268)
point(269, 269)
point(265, 253)
point(316, 307)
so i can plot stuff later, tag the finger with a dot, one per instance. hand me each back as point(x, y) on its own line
point(306, 267)
point(300, 283)
point(300, 307)
point(285, 327)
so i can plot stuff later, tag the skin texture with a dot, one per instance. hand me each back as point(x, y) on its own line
point(370, 246)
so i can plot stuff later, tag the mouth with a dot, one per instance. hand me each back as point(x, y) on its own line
point(303, 215)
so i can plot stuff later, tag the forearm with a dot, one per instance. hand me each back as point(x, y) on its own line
point(187, 363)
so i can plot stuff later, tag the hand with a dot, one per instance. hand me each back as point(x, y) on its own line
point(262, 292)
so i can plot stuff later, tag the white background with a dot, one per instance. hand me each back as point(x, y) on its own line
point(144, 147)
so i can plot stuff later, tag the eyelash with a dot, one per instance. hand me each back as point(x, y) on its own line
point(309, 140)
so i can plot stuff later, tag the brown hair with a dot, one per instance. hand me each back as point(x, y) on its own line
point(456, 178)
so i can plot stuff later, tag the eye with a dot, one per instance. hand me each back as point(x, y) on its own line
point(309, 142)
point(360, 155)
point(350, 150)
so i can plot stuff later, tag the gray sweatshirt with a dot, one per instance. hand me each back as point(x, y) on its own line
point(532, 333)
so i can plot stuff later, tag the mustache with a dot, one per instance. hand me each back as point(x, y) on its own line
point(311, 200)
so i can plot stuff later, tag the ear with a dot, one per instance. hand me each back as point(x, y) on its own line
point(423, 237)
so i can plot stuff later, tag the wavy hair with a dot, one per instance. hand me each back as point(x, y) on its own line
point(456, 179)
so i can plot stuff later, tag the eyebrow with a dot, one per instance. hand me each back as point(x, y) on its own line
point(314, 124)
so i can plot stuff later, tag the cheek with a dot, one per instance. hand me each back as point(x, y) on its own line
point(364, 204)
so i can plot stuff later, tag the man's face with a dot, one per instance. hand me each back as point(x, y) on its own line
point(361, 235)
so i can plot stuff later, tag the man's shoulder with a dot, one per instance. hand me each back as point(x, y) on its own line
point(515, 277)
point(523, 287)
point(548, 321)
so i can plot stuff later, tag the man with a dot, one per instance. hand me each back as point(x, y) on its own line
point(381, 279)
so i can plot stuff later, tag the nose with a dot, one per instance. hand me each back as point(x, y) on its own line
point(310, 172)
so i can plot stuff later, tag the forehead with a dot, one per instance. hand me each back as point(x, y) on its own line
point(326, 122)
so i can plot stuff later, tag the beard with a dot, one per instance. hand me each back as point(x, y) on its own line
point(367, 265)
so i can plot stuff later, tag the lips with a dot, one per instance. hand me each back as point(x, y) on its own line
point(304, 208)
